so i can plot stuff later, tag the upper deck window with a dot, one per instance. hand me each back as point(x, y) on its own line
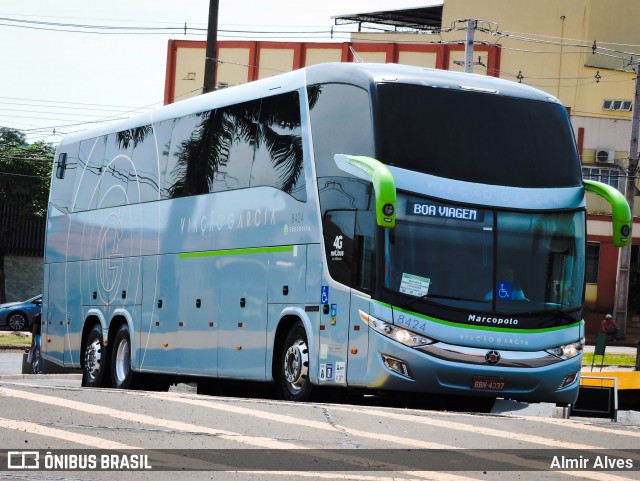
point(475, 137)
point(250, 144)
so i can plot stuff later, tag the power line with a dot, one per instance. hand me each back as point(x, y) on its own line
point(67, 102)
point(102, 120)
point(155, 30)
point(585, 46)
point(585, 42)
point(57, 111)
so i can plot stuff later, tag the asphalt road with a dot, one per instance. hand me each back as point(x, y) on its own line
point(219, 438)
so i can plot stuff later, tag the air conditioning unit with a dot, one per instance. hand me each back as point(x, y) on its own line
point(605, 156)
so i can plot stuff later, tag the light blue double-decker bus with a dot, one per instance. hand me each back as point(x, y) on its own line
point(365, 226)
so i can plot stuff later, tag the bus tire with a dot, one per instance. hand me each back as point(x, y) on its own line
point(121, 374)
point(294, 365)
point(95, 358)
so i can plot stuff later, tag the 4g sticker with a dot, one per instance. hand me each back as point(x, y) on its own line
point(337, 253)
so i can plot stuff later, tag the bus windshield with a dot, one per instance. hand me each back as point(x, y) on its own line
point(486, 260)
point(475, 137)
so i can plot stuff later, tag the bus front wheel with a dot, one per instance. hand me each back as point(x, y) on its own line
point(294, 365)
point(94, 358)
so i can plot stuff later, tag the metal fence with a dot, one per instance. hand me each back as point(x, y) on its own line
point(26, 234)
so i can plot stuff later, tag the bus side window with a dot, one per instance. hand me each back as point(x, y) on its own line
point(234, 138)
point(278, 158)
point(116, 169)
point(364, 250)
point(90, 160)
point(339, 228)
point(183, 174)
point(150, 153)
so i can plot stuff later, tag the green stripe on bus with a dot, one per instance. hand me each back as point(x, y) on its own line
point(229, 252)
point(481, 328)
point(489, 328)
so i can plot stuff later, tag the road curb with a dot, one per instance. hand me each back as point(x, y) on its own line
point(20, 377)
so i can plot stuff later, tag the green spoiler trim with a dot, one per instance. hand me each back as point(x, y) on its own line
point(228, 252)
point(620, 211)
point(378, 174)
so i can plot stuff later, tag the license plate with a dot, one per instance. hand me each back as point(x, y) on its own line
point(489, 383)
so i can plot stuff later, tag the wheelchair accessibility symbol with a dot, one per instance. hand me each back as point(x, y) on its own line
point(324, 298)
point(505, 290)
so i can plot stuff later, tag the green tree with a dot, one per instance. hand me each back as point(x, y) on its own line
point(25, 172)
point(12, 136)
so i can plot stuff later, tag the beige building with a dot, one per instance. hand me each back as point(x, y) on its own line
point(244, 61)
point(577, 50)
point(580, 51)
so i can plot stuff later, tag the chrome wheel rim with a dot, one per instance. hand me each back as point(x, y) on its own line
point(296, 365)
point(93, 359)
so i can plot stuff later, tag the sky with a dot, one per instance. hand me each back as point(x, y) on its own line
point(55, 79)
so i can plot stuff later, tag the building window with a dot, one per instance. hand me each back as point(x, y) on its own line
point(593, 260)
point(609, 176)
point(624, 105)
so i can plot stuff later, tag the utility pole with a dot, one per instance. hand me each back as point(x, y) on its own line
point(211, 59)
point(624, 257)
point(468, 46)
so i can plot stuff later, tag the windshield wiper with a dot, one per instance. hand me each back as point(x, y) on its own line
point(427, 297)
point(558, 313)
point(552, 317)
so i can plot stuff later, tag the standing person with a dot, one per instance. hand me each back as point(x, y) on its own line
point(36, 341)
point(610, 326)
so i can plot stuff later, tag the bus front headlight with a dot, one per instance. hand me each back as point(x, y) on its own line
point(567, 351)
point(403, 336)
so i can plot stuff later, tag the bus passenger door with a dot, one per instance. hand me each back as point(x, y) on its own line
point(339, 229)
point(358, 342)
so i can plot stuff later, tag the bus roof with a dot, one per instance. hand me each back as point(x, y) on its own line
point(362, 74)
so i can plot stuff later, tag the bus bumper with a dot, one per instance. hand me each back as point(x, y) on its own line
point(396, 367)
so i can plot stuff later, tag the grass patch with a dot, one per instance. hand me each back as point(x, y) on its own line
point(15, 340)
point(609, 359)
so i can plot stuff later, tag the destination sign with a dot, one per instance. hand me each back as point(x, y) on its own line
point(442, 211)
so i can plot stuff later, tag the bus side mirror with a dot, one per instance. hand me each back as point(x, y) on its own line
point(378, 174)
point(620, 211)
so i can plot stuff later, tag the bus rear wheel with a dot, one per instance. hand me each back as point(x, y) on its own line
point(94, 358)
point(294, 365)
point(121, 374)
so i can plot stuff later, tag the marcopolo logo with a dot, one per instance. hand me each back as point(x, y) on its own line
point(497, 321)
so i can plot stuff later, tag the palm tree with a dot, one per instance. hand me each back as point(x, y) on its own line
point(271, 122)
point(133, 136)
